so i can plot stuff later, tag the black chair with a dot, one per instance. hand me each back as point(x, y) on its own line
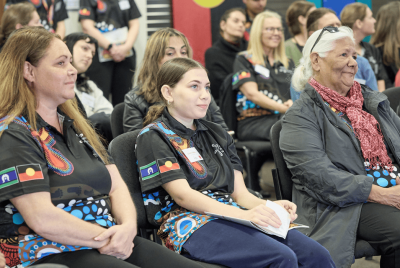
point(393, 95)
point(122, 150)
point(283, 187)
point(117, 117)
point(252, 153)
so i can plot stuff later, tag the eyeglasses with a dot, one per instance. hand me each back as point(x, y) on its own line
point(331, 29)
point(272, 29)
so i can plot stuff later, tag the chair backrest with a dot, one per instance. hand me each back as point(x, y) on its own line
point(284, 183)
point(117, 117)
point(393, 95)
point(122, 150)
point(227, 103)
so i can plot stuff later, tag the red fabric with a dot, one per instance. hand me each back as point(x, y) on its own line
point(365, 126)
point(194, 22)
point(397, 79)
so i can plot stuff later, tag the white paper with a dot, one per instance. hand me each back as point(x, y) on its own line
point(280, 211)
point(192, 154)
point(261, 70)
point(361, 81)
point(124, 5)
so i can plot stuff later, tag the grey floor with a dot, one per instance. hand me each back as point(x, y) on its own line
point(267, 184)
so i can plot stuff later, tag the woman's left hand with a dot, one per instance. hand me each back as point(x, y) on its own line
point(290, 207)
point(121, 241)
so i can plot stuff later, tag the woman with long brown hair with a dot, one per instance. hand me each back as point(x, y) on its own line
point(62, 199)
point(189, 166)
point(163, 45)
point(387, 38)
point(15, 17)
point(358, 17)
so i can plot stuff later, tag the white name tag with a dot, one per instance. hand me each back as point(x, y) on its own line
point(192, 154)
point(124, 5)
point(261, 70)
point(361, 81)
point(88, 100)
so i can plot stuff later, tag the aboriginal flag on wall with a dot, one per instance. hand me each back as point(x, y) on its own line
point(198, 20)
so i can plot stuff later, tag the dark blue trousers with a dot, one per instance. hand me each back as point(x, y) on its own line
point(235, 245)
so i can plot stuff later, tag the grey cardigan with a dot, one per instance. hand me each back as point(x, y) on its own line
point(327, 166)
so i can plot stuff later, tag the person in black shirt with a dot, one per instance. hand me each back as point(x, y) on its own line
point(114, 64)
point(220, 57)
point(358, 16)
point(52, 14)
point(189, 166)
point(386, 39)
point(164, 44)
point(262, 78)
point(15, 17)
point(62, 200)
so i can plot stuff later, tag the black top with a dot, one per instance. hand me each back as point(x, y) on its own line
point(109, 14)
point(50, 12)
point(276, 86)
point(391, 70)
point(48, 161)
point(374, 58)
point(219, 62)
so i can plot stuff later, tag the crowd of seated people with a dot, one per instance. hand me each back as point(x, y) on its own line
point(63, 200)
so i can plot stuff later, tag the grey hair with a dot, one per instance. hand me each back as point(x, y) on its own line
point(304, 71)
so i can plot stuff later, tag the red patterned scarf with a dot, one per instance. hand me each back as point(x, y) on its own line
point(366, 127)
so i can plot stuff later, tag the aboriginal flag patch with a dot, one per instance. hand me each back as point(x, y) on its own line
point(30, 172)
point(168, 164)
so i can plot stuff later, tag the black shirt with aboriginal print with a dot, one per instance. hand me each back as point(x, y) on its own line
point(48, 161)
point(161, 153)
point(109, 14)
point(272, 81)
point(50, 12)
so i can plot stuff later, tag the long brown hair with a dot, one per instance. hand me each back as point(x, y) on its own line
point(170, 73)
point(18, 13)
point(155, 51)
point(31, 44)
point(294, 11)
point(387, 32)
point(353, 12)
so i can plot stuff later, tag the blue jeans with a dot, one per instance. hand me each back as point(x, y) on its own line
point(235, 245)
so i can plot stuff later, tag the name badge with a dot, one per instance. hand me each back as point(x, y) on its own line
point(192, 154)
point(261, 70)
point(88, 100)
point(361, 81)
point(124, 5)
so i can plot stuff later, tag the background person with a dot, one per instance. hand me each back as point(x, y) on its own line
point(337, 152)
point(164, 44)
point(220, 57)
point(179, 190)
point(296, 19)
point(62, 199)
point(386, 39)
point(262, 77)
point(15, 17)
point(98, 109)
point(358, 17)
point(114, 64)
point(52, 14)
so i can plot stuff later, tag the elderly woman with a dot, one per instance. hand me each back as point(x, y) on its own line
point(341, 142)
point(262, 78)
point(62, 199)
point(163, 45)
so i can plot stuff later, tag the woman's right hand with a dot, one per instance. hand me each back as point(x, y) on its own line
point(386, 196)
point(262, 215)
